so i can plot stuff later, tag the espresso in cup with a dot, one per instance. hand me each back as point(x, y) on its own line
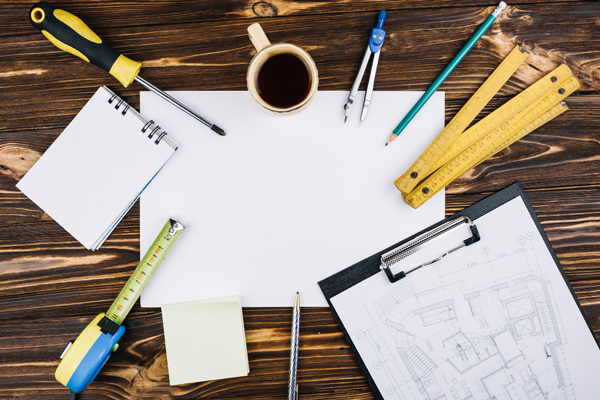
point(283, 81)
point(282, 77)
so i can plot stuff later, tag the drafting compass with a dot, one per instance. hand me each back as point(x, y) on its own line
point(375, 42)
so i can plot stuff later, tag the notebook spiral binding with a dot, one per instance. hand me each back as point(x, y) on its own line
point(154, 129)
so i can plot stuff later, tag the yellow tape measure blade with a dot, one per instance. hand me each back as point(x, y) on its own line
point(145, 270)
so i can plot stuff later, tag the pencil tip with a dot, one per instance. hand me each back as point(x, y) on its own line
point(391, 138)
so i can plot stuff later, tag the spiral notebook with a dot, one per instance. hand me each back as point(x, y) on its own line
point(97, 168)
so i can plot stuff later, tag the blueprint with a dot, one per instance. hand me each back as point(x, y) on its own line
point(491, 321)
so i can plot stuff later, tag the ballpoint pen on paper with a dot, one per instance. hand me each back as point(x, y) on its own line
point(375, 42)
point(447, 71)
point(293, 386)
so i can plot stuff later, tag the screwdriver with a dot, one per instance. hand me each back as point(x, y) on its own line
point(71, 34)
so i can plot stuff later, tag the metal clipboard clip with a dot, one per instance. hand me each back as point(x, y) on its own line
point(413, 246)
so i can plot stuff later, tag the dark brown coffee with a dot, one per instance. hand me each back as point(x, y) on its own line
point(283, 81)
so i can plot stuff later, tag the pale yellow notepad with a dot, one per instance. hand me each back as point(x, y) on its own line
point(205, 340)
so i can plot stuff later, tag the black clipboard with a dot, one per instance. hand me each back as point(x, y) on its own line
point(370, 266)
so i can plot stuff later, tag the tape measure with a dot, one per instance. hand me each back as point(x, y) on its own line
point(144, 271)
point(83, 359)
point(452, 154)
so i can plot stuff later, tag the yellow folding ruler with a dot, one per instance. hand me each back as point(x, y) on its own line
point(455, 150)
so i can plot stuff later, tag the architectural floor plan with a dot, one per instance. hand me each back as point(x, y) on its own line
point(492, 321)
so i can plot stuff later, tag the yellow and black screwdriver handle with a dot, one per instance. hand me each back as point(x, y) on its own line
point(71, 34)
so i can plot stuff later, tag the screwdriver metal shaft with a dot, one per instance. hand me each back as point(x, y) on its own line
point(177, 104)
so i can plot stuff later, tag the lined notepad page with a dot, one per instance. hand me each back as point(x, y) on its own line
point(96, 169)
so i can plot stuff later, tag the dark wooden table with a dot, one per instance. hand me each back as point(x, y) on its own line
point(50, 286)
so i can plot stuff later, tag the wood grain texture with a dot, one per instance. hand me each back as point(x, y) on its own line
point(192, 56)
point(50, 287)
point(131, 13)
point(327, 368)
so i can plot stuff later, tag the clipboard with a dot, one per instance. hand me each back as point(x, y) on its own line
point(384, 262)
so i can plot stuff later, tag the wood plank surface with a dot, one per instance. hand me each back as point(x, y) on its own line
point(132, 13)
point(50, 287)
point(419, 45)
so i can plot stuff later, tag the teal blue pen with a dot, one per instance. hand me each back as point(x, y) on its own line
point(447, 71)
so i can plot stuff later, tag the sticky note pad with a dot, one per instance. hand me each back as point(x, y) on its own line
point(205, 340)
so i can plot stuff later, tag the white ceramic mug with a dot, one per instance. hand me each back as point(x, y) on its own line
point(266, 50)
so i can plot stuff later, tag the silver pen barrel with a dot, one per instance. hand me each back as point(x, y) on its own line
point(293, 386)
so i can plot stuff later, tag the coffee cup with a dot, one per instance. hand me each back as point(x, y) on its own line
point(281, 77)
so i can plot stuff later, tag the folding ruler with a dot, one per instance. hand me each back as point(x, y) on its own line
point(455, 151)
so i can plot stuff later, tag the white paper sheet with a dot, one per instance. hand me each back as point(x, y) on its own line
point(281, 202)
point(494, 320)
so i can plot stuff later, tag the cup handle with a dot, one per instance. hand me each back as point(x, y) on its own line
point(258, 37)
